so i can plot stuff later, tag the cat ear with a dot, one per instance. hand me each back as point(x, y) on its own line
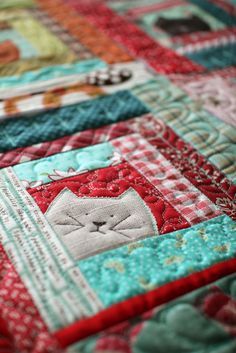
point(128, 193)
point(62, 200)
point(131, 198)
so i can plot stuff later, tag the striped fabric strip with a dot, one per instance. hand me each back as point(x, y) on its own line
point(60, 122)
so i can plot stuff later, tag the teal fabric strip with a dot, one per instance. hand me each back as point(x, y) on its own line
point(52, 72)
point(218, 12)
point(49, 125)
point(62, 165)
point(147, 264)
point(215, 58)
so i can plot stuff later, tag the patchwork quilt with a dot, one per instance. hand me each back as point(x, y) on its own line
point(117, 176)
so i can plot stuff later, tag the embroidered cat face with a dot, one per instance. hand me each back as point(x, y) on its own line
point(91, 225)
point(179, 26)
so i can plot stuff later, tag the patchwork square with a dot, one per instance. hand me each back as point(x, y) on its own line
point(168, 21)
point(117, 176)
point(37, 48)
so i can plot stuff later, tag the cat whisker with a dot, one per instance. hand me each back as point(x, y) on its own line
point(126, 228)
point(120, 221)
point(125, 235)
point(74, 219)
point(69, 224)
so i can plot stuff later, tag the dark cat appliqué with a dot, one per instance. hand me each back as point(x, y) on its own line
point(182, 26)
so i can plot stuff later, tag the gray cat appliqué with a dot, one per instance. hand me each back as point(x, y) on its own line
point(89, 225)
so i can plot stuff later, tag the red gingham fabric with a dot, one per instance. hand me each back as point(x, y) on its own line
point(177, 190)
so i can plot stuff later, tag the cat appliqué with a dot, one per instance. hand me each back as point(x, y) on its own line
point(89, 225)
point(180, 26)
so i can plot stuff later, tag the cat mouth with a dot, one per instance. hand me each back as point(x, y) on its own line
point(97, 231)
point(106, 233)
point(120, 231)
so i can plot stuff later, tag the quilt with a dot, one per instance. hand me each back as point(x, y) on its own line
point(117, 176)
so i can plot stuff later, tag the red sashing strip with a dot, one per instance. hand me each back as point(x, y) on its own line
point(161, 59)
point(141, 303)
point(112, 182)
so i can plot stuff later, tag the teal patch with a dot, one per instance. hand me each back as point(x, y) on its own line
point(217, 11)
point(215, 58)
point(52, 72)
point(65, 164)
point(155, 261)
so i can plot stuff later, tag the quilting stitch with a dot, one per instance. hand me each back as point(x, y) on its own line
point(139, 271)
point(67, 164)
point(117, 176)
point(205, 132)
point(40, 244)
point(75, 118)
point(105, 222)
point(136, 334)
point(112, 182)
point(175, 188)
point(51, 71)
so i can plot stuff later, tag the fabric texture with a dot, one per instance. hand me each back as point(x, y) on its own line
point(117, 176)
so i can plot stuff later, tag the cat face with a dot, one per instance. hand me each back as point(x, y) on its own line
point(180, 26)
point(91, 225)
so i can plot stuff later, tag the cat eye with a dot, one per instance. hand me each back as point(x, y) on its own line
point(86, 214)
point(112, 215)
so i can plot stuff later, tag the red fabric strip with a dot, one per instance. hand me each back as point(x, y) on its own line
point(161, 59)
point(141, 303)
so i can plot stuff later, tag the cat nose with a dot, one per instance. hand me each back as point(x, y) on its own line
point(99, 224)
